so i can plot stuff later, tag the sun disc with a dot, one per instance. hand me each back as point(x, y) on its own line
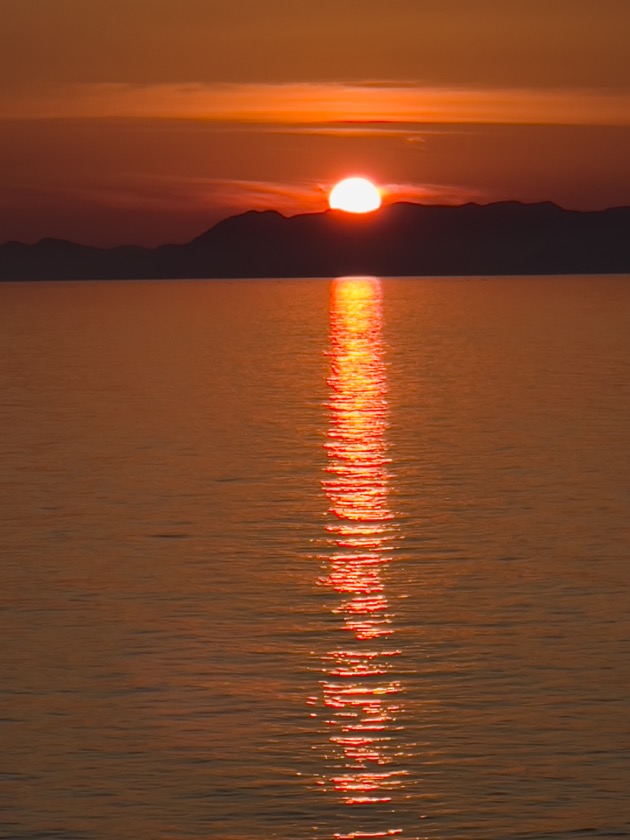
point(354, 195)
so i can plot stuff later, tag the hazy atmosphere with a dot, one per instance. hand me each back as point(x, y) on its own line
point(146, 121)
point(314, 381)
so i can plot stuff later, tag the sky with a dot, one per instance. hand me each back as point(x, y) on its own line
point(147, 121)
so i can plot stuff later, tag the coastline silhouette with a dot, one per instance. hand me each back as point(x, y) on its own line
point(402, 239)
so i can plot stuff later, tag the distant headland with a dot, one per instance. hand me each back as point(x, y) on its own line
point(398, 240)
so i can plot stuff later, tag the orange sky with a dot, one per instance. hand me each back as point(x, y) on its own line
point(148, 120)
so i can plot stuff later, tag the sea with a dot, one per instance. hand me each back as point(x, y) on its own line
point(315, 559)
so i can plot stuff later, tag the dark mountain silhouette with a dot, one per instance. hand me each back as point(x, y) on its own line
point(401, 239)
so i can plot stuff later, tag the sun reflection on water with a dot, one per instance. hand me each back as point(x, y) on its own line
point(361, 697)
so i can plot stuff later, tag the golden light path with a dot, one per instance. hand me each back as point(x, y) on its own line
point(360, 697)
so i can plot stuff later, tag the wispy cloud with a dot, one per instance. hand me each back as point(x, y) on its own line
point(311, 196)
point(131, 190)
point(288, 197)
point(432, 193)
point(314, 104)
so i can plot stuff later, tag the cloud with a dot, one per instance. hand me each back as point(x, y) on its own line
point(175, 192)
point(307, 196)
point(237, 193)
point(432, 194)
point(411, 133)
point(316, 104)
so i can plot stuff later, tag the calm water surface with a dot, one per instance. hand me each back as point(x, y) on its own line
point(315, 560)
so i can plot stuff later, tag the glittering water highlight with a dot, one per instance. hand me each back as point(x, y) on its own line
point(165, 525)
point(361, 696)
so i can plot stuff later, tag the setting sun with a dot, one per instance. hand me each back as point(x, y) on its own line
point(354, 195)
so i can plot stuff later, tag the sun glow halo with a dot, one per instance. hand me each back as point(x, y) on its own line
point(354, 195)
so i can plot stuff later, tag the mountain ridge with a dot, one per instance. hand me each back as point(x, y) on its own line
point(401, 239)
